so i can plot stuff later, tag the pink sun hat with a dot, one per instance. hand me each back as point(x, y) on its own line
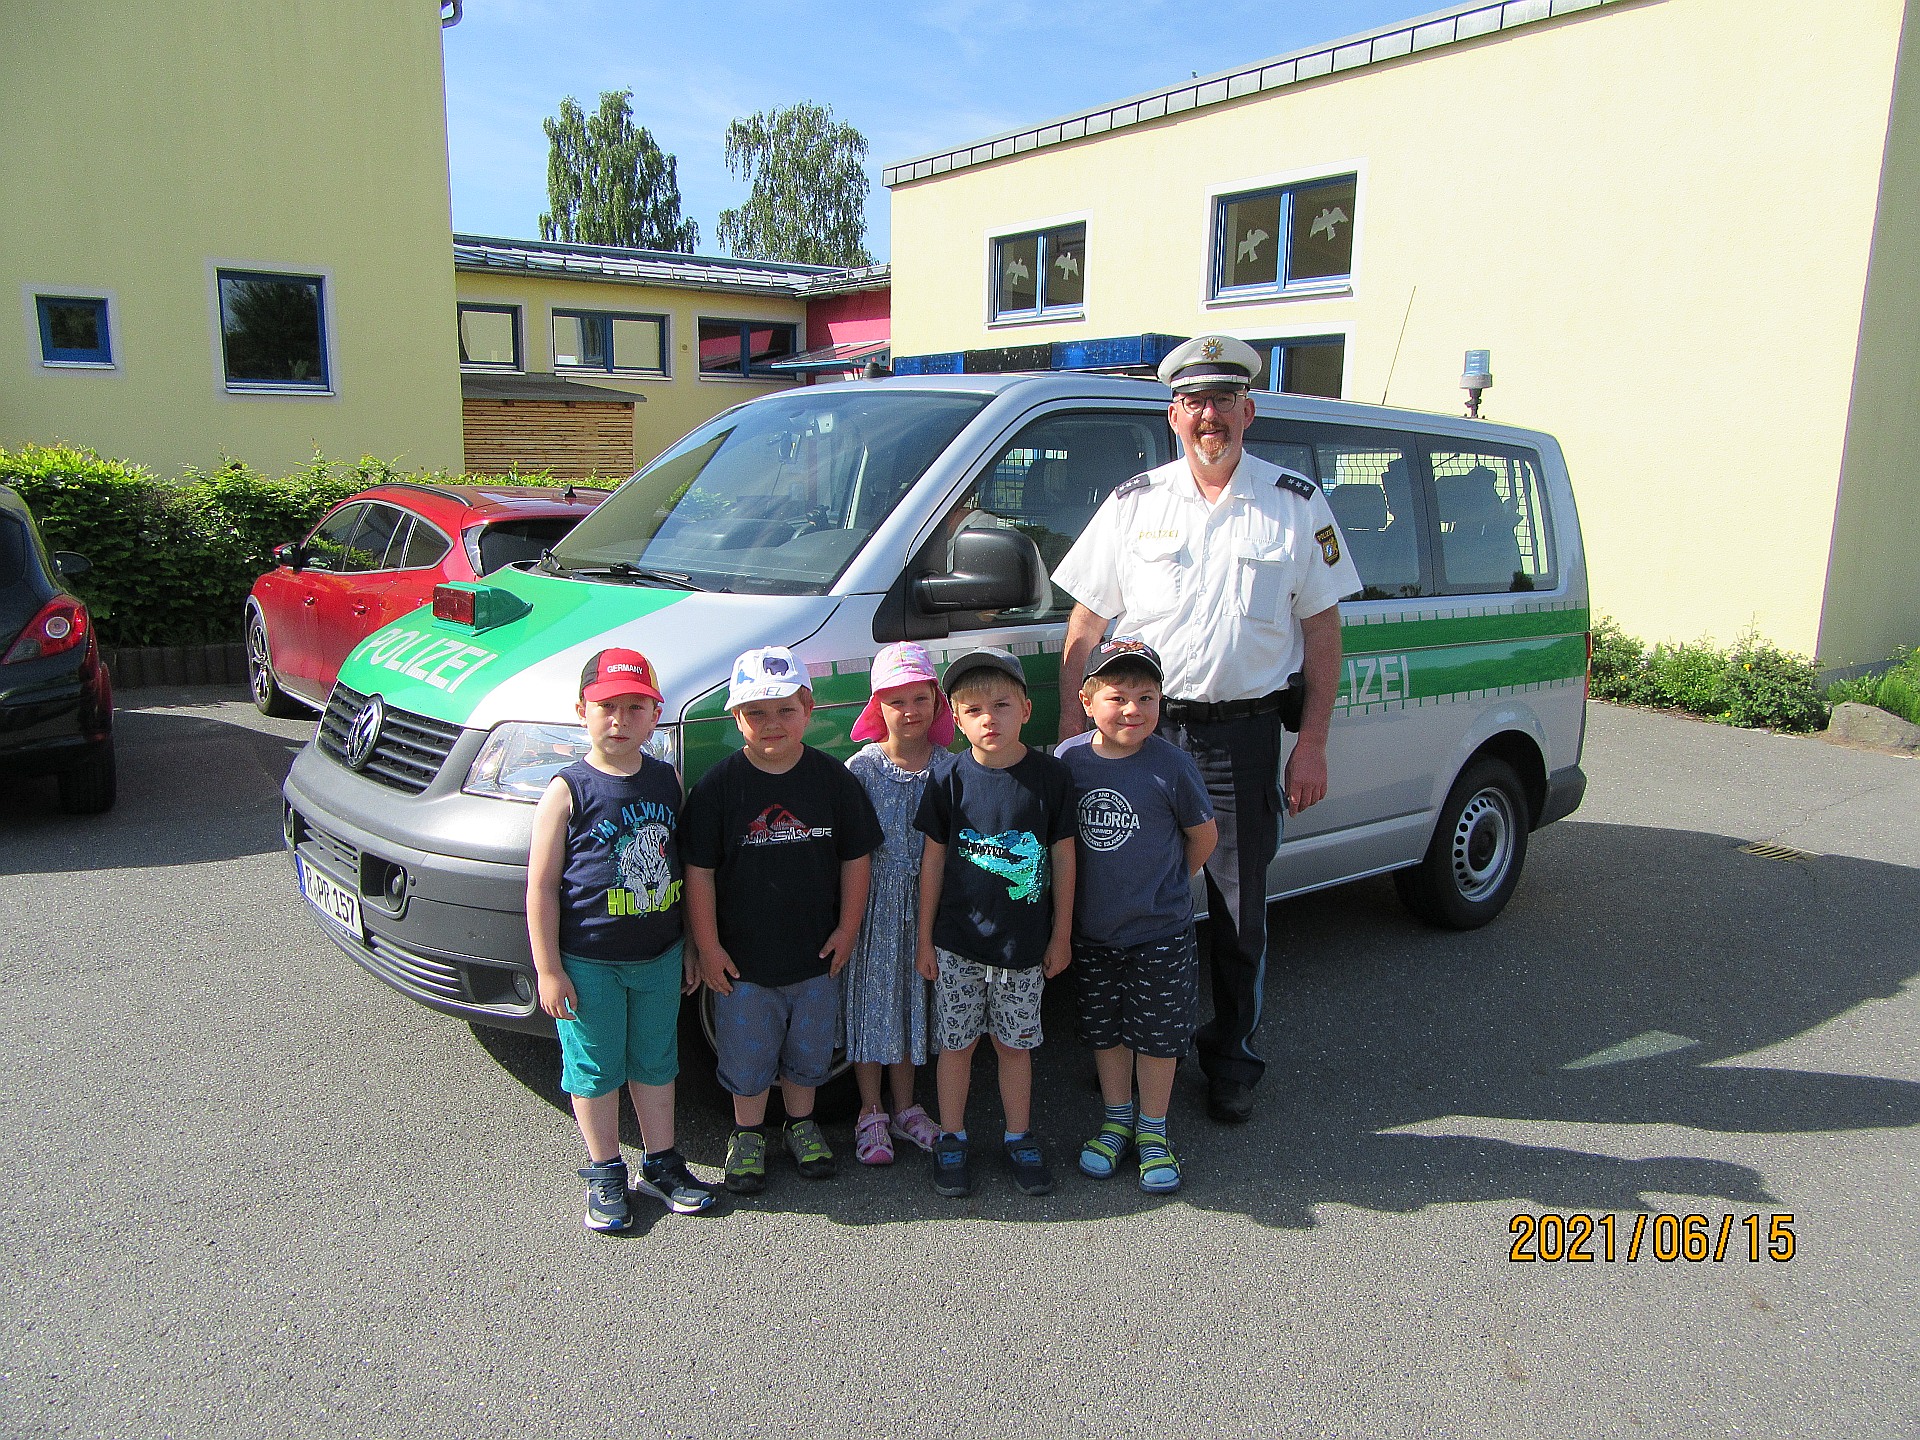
point(904, 663)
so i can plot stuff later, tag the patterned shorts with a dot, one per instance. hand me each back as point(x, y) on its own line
point(971, 999)
point(1139, 996)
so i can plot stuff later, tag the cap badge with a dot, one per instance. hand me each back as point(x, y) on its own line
point(1211, 349)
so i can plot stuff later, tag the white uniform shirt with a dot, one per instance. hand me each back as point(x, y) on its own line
point(1218, 589)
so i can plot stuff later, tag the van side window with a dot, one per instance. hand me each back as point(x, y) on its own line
point(1494, 530)
point(1048, 482)
point(1368, 479)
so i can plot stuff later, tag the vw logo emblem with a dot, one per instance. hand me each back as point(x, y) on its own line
point(364, 733)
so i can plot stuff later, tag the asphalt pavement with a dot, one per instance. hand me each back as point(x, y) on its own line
point(252, 1192)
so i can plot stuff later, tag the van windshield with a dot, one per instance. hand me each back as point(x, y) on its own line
point(774, 498)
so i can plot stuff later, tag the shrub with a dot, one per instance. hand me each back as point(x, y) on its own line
point(1752, 684)
point(1896, 689)
point(1769, 688)
point(173, 559)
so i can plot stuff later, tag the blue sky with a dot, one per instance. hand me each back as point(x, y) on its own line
point(912, 76)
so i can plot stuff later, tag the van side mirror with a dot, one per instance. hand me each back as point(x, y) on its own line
point(993, 569)
point(292, 554)
point(70, 565)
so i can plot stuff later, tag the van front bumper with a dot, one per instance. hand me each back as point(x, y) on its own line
point(442, 882)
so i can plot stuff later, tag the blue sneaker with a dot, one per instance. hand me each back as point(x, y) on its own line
point(1030, 1173)
point(607, 1208)
point(666, 1178)
point(952, 1168)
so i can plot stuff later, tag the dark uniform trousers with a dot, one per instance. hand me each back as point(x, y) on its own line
point(1240, 762)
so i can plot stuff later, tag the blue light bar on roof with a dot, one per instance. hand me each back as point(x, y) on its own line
point(1127, 353)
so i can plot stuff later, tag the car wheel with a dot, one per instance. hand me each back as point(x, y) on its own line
point(89, 788)
point(1478, 847)
point(268, 697)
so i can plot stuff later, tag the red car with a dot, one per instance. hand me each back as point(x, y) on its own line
point(374, 557)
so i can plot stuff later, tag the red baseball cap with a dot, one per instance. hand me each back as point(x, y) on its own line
point(618, 672)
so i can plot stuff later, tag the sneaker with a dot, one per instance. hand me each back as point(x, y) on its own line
point(665, 1177)
point(1030, 1173)
point(871, 1144)
point(952, 1167)
point(746, 1162)
point(809, 1149)
point(916, 1127)
point(607, 1207)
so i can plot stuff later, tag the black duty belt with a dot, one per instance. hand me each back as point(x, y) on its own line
point(1186, 712)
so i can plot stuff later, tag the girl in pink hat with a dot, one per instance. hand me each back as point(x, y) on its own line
point(908, 724)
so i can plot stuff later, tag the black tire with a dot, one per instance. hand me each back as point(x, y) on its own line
point(268, 697)
point(1477, 851)
point(89, 788)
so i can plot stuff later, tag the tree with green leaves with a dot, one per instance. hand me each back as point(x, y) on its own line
point(809, 197)
point(608, 183)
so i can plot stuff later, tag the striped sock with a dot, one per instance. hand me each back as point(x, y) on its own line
point(1122, 1115)
point(1151, 1139)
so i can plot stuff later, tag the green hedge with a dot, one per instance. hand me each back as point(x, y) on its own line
point(1750, 683)
point(1896, 689)
point(173, 559)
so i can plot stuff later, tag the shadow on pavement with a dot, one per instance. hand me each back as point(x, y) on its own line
point(192, 789)
point(1376, 1024)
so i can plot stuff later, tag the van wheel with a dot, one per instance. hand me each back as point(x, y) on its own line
point(268, 697)
point(1474, 859)
point(89, 788)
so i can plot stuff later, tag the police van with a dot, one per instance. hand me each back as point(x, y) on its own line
point(837, 518)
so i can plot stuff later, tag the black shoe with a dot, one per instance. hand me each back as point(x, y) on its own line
point(1229, 1102)
point(666, 1178)
point(952, 1168)
point(607, 1208)
point(1030, 1173)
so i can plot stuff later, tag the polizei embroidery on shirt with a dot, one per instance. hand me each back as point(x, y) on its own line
point(1016, 856)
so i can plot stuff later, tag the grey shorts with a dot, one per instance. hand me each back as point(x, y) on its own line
point(764, 1033)
point(971, 1000)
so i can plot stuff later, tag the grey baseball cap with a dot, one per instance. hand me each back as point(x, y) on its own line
point(987, 657)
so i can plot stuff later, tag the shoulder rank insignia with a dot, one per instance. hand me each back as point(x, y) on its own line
point(1329, 539)
point(1298, 484)
point(1133, 486)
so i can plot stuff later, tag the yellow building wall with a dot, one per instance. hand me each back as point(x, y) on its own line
point(1655, 215)
point(1873, 578)
point(145, 145)
point(671, 406)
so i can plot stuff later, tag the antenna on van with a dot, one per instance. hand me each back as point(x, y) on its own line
point(1396, 344)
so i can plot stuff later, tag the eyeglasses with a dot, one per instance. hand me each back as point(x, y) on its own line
point(1222, 402)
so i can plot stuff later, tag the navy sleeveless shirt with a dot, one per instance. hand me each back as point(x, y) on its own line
point(620, 886)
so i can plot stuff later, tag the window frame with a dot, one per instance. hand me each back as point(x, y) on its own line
point(1219, 199)
point(101, 358)
point(1554, 577)
point(664, 371)
point(221, 271)
point(1042, 312)
point(518, 363)
point(745, 327)
point(1266, 342)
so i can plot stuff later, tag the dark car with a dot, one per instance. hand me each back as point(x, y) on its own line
point(374, 557)
point(56, 698)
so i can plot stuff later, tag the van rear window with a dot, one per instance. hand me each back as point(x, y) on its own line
point(775, 497)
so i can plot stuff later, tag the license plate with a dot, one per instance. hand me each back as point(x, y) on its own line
point(330, 897)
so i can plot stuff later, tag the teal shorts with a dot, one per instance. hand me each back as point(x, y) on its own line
point(628, 1025)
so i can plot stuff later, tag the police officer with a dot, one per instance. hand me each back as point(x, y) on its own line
point(1231, 568)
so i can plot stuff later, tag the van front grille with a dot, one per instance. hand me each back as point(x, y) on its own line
point(409, 753)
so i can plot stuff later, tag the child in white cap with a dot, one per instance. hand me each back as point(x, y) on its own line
point(909, 725)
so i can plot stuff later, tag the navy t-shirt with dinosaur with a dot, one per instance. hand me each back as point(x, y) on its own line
point(996, 893)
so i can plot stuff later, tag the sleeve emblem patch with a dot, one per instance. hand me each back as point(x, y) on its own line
point(1329, 539)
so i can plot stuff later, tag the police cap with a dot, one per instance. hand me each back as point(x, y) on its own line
point(1210, 362)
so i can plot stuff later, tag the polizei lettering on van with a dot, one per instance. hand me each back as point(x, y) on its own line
point(442, 661)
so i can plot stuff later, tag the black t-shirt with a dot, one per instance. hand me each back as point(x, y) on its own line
point(996, 894)
point(775, 844)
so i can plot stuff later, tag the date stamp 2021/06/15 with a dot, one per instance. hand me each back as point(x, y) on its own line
point(1694, 1239)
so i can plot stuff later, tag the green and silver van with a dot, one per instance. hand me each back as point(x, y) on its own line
point(836, 518)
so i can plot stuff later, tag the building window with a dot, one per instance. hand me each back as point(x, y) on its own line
point(73, 330)
point(1043, 272)
point(1274, 241)
point(1302, 366)
point(743, 347)
point(603, 340)
point(490, 335)
point(273, 330)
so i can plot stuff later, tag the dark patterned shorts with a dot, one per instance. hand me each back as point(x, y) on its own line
point(1139, 996)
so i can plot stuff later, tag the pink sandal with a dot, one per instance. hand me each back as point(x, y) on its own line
point(870, 1143)
point(915, 1125)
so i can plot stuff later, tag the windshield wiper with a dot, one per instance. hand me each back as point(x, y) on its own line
point(621, 570)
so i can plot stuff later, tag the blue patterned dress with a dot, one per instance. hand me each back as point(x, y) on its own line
point(885, 998)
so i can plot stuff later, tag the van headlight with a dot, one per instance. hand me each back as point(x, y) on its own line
point(520, 758)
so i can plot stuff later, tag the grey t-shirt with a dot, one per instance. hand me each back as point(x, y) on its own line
point(1132, 884)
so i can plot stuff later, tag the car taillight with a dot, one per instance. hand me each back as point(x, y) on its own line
point(60, 626)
